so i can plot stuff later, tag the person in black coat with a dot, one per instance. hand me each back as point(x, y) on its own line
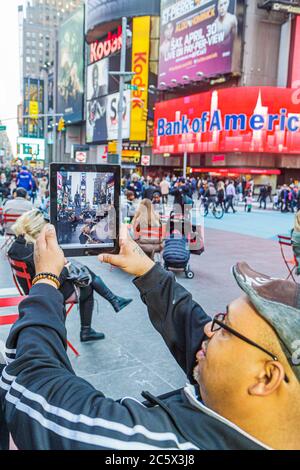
point(27, 229)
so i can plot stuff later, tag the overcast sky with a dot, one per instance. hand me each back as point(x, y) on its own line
point(9, 65)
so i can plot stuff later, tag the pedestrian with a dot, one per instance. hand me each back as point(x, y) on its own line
point(240, 365)
point(146, 227)
point(135, 185)
point(149, 189)
point(221, 194)
point(159, 208)
point(230, 195)
point(263, 197)
point(16, 206)
point(269, 192)
point(165, 189)
point(248, 201)
point(24, 179)
point(34, 189)
point(130, 207)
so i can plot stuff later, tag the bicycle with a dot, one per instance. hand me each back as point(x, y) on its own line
point(213, 208)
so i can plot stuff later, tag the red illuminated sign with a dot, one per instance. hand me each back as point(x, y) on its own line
point(218, 158)
point(244, 119)
point(237, 171)
point(101, 49)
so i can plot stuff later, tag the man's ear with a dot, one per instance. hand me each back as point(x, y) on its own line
point(269, 380)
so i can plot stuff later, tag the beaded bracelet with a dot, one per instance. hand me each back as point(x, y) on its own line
point(50, 276)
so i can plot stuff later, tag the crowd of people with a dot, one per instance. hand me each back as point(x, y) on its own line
point(227, 193)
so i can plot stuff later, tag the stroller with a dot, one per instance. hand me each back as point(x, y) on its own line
point(176, 254)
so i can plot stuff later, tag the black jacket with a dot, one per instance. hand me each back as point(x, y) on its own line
point(47, 406)
point(20, 250)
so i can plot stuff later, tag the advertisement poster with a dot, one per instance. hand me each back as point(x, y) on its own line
point(50, 93)
point(97, 80)
point(140, 65)
point(196, 36)
point(245, 119)
point(96, 128)
point(112, 116)
point(33, 127)
point(71, 68)
point(102, 91)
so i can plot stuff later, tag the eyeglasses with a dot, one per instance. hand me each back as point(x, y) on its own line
point(218, 323)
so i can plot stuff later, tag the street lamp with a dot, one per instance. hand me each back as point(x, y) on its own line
point(121, 89)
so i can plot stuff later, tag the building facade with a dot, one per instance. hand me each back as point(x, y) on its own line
point(264, 64)
point(39, 21)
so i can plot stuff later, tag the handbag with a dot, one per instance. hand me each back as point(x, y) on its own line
point(79, 274)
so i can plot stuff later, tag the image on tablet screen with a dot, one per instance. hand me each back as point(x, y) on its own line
point(85, 209)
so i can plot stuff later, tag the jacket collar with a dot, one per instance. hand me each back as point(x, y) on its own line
point(191, 395)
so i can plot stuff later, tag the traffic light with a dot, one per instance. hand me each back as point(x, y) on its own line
point(61, 125)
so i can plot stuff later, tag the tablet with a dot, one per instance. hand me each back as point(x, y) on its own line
point(85, 207)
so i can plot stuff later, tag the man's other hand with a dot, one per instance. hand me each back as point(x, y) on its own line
point(48, 256)
point(131, 258)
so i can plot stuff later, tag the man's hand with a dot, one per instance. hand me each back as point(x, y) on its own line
point(48, 256)
point(131, 258)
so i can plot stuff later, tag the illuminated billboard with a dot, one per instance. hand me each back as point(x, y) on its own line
point(246, 119)
point(31, 149)
point(198, 39)
point(70, 84)
point(140, 66)
point(33, 105)
point(102, 90)
point(102, 118)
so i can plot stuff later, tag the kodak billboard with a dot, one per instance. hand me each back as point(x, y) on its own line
point(140, 65)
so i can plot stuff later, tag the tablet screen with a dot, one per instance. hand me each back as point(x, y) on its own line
point(86, 216)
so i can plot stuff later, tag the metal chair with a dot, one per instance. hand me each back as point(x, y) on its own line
point(290, 262)
point(19, 271)
point(8, 219)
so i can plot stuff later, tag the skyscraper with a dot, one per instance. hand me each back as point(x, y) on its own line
point(39, 21)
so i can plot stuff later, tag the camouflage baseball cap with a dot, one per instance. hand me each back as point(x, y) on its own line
point(278, 302)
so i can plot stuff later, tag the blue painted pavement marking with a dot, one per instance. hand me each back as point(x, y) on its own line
point(262, 224)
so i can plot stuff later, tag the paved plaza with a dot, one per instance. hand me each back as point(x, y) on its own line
point(133, 357)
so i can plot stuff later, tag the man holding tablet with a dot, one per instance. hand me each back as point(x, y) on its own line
point(242, 364)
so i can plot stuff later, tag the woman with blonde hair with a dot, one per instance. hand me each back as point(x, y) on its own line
point(147, 228)
point(27, 229)
point(296, 240)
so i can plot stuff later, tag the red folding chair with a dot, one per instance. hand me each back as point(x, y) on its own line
point(290, 262)
point(19, 271)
